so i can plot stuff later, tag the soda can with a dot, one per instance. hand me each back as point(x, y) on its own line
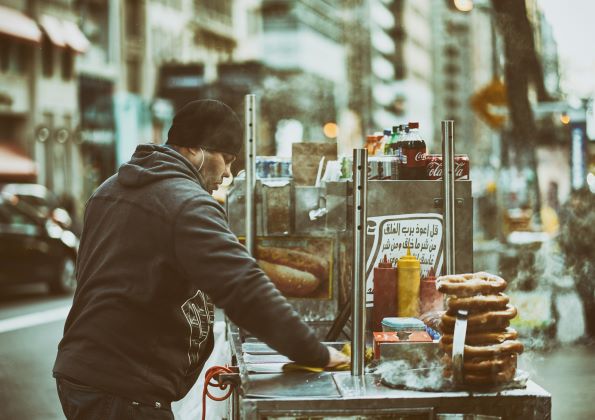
point(258, 168)
point(374, 167)
point(462, 167)
point(268, 168)
point(435, 167)
point(388, 167)
point(277, 168)
point(286, 168)
point(346, 167)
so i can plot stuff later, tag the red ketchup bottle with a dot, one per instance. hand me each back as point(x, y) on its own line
point(430, 298)
point(385, 293)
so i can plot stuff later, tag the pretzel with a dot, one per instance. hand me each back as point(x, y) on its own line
point(507, 347)
point(477, 303)
point(490, 318)
point(465, 285)
point(485, 366)
point(483, 338)
point(494, 326)
point(497, 378)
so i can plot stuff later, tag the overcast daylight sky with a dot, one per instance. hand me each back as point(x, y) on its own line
point(573, 23)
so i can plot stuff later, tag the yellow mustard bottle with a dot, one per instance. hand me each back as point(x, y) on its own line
point(408, 275)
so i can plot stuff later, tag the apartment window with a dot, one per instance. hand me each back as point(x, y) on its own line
point(254, 23)
point(133, 75)
point(47, 57)
point(133, 16)
point(451, 103)
point(67, 63)
point(5, 55)
point(215, 9)
point(452, 69)
point(21, 61)
point(451, 51)
point(451, 85)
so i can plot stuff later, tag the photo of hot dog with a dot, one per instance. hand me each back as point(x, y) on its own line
point(290, 281)
point(296, 272)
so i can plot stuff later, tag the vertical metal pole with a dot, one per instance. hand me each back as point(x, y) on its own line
point(235, 404)
point(250, 146)
point(358, 304)
point(448, 159)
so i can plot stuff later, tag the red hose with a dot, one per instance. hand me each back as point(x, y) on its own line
point(210, 374)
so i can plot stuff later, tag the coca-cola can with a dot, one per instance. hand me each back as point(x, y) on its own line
point(374, 167)
point(389, 167)
point(462, 167)
point(435, 167)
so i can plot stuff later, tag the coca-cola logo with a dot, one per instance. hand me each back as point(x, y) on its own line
point(459, 169)
point(420, 156)
point(435, 169)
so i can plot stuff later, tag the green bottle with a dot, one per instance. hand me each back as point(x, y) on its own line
point(389, 147)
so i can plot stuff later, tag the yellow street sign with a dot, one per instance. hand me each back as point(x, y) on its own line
point(490, 103)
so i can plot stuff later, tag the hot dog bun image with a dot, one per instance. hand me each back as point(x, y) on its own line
point(296, 273)
point(299, 260)
point(290, 281)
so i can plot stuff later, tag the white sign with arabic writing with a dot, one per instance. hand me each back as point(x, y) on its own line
point(392, 235)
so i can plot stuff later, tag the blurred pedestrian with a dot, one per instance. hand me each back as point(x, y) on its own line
point(577, 241)
point(156, 253)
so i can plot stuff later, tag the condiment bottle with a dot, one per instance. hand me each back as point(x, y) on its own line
point(408, 269)
point(430, 298)
point(385, 293)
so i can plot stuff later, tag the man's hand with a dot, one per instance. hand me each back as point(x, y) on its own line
point(337, 358)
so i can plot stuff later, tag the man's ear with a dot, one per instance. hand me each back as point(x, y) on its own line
point(191, 151)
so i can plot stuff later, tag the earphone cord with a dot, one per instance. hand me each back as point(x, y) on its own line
point(203, 159)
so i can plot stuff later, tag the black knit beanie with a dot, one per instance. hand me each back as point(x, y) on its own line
point(209, 124)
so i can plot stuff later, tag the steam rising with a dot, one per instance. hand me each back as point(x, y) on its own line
point(402, 374)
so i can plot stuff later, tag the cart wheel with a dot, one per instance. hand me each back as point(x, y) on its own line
point(65, 281)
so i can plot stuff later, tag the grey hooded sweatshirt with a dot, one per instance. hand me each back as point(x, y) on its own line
point(155, 253)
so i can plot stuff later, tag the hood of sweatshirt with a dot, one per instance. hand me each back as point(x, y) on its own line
point(152, 163)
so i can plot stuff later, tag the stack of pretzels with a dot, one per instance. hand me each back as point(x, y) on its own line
point(491, 346)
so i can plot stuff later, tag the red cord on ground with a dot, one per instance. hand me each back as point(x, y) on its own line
point(210, 374)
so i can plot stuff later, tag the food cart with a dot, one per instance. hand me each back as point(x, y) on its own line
point(352, 224)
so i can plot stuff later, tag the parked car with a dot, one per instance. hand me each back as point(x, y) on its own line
point(39, 196)
point(34, 248)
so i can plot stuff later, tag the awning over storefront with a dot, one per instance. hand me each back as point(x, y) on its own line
point(18, 25)
point(63, 33)
point(53, 29)
point(75, 37)
point(15, 166)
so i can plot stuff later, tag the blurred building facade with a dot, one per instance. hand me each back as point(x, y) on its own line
point(83, 82)
point(413, 61)
point(390, 63)
point(41, 42)
point(454, 84)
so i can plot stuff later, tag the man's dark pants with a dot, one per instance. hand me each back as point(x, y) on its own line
point(81, 402)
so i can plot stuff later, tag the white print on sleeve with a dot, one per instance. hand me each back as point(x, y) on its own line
point(198, 311)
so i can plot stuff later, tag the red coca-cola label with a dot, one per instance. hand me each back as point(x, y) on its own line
point(435, 167)
point(415, 158)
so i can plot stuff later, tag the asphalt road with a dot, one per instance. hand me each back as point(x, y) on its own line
point(568, 373)
point(28, 344)
point(31, 324)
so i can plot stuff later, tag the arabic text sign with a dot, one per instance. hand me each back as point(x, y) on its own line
point(392, 235)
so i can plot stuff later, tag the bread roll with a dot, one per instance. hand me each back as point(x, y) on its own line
point(298, 260)
point(290, 281)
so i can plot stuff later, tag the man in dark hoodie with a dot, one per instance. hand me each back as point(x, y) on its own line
point(156, 253)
